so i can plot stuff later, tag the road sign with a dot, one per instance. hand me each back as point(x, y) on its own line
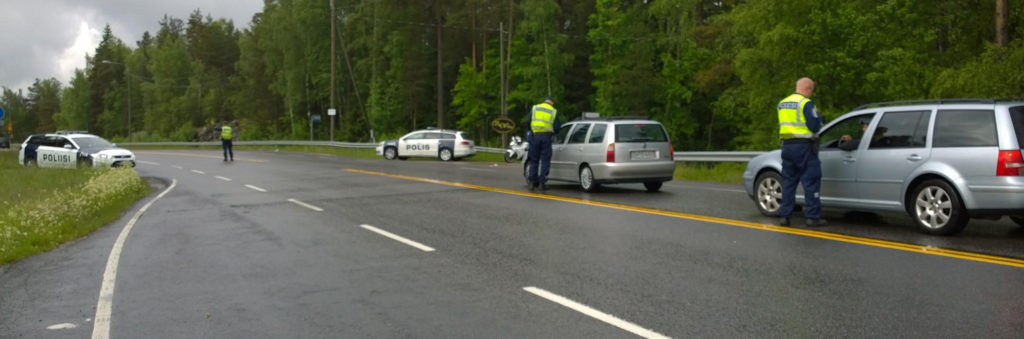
point(332, 112)
point(503, 125)
point(1, 112)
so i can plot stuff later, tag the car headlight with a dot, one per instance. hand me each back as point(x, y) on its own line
point(103, 157)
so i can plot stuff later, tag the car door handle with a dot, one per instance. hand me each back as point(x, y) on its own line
point(914, 157)
point(849, 160)
point(579, 148)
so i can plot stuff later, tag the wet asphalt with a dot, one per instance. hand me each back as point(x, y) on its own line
point(240, 249)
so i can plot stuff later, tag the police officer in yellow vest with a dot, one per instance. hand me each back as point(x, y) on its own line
point(799, 124)
point(225, 141)
point(544, 123)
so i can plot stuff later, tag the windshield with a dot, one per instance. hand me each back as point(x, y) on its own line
point(92, 142)
point(640, 133)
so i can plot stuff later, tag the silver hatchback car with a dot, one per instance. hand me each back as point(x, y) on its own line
point(940, 161)
point(611, 150)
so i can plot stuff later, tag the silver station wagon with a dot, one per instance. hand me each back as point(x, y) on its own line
point(598, 151)
point(940, 161)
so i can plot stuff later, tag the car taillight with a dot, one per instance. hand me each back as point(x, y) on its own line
point(1010, 164)
point(671, 152)
point(610, 156)
point(465, 142)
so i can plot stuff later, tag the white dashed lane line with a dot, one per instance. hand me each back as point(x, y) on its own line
point(148, 162)
point(318, 209)
point(256, 188)
point(400, 239)
point(605, 317)
point(178, 167)
point(223, 178)
point(198, 172)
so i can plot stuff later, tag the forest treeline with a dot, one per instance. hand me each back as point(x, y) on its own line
point(711, 71)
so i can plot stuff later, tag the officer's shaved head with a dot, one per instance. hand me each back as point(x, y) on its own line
point(805, 86)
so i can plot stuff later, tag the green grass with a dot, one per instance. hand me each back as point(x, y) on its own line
point(724, 172)
point(44, 208)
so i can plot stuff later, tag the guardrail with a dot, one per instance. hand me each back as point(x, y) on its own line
point(679, 156)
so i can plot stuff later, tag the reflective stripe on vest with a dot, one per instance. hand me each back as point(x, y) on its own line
point(791, 118)
point(542, 118)
point(225, 133)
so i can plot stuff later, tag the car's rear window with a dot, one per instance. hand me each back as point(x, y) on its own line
point(640, 133)
point(1017, 116)
point(965, 128)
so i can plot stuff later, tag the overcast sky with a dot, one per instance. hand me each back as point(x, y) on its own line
point(42, 39)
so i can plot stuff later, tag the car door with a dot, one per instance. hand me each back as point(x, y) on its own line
point(412, 145)
point(575, 145)
point(57, 151)
point(595, 150)
point(559, 157)
point(895, 148)
point(839, 166)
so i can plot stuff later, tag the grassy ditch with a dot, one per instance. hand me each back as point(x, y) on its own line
point(44, 208)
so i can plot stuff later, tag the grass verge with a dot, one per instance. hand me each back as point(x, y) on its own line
point(44, 208)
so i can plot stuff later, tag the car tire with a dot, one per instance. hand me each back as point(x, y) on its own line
point(1019, 220)
point(768, 193)
point(587, 179)
point(937, 209)
point(653, 186)
point(445, 154)
point(390, 153)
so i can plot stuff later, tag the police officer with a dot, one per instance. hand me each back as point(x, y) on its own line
point(544, 123)
point(798, 125)
point(225, 141)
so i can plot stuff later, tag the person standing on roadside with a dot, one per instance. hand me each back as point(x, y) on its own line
point(799, 124)
point(544, 123)
point(225, 142)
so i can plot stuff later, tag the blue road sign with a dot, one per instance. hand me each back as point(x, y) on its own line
point(1, 112)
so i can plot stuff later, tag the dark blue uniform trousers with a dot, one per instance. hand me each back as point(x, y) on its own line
point(800, 164)
point(539, 154)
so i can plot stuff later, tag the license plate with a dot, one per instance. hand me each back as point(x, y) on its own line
point(643, 155)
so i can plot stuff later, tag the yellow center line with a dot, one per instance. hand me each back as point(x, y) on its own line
point(731, 222)
point(199, 156)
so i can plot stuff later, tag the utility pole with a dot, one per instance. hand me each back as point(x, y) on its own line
point(501, 63)
point(332, 69)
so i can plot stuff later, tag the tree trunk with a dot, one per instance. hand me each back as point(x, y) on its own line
point(440, 79)
point(1002, 22)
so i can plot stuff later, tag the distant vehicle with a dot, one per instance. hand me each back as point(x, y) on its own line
point(940, 161)
point(443, 144)
point(598, 151)
point(72, 149)
point(4, 143)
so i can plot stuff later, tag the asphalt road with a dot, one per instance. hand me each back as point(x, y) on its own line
point(310, 246)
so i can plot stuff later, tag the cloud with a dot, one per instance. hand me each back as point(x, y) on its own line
point(42, 39)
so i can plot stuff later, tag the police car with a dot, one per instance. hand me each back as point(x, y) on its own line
point(444, 144)
point(70, 149)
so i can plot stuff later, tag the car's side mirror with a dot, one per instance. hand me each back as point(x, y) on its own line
point(68, 146)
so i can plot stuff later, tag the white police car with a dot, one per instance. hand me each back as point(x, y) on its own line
point(444, 144)
point(72, 149)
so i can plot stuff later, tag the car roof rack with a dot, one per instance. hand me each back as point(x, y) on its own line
point(927, 102)
point(595, 116)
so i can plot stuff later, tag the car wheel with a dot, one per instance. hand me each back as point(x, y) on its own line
point(587, 179)
point(390, 153)
point(653, 186)
point(768, 192)
point(445, 154)
point(936, 208)
point(1019, 220)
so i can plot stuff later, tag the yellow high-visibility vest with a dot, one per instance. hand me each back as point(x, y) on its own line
point(542, 118)
point(225, 133)
point(791, 118)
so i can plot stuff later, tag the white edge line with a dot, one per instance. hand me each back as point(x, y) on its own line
point(400, 239)
point(198, 171)
point(101, 325)
point(608, 318)
point(318, 209)
point(256, 188)
point(223, 178)
point(148, 162)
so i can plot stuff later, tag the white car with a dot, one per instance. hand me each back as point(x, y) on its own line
point(446, 145)
point(72, 149)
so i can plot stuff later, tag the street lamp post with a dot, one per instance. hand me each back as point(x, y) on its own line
point(128, 78)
